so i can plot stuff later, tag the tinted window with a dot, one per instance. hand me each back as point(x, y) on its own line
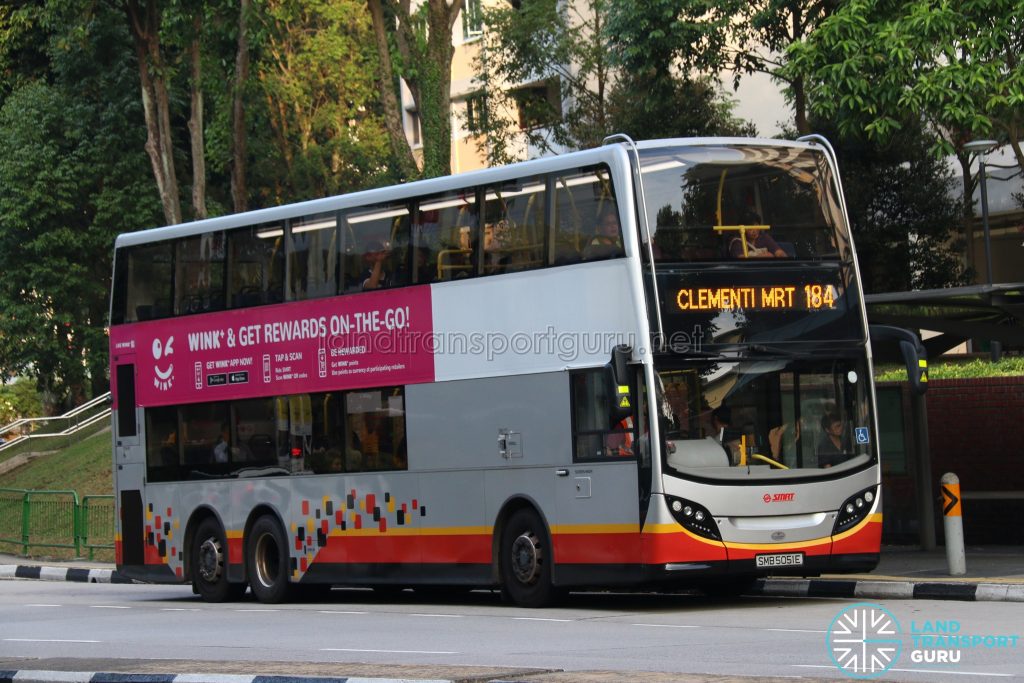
point(256, 266)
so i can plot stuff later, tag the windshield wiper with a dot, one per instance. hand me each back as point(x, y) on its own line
point(684, 350)
point(763, 349)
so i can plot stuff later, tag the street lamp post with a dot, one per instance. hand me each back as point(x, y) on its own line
point(981, 148)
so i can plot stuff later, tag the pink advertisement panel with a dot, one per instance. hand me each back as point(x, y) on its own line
point(347, 342)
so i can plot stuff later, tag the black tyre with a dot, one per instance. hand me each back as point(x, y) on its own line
point(208, 562)
point(267, 560)
point(525, 561)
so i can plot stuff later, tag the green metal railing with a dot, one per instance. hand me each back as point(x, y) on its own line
point(56, 519)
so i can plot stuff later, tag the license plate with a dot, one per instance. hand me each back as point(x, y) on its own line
point(779, 560)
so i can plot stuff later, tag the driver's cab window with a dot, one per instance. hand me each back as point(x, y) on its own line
point(599, 432)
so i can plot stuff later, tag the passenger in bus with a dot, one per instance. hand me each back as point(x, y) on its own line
point(759, 244)
point(375, 276)
point(719, 428)
point(832, 449)
point(607, 239)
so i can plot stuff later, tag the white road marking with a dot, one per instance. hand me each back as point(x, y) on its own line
point(47, 640)
point(110, 606)
point(390, 652)
point(335, 611)
point(179, 609)
point(40, 604)
point(946, 672)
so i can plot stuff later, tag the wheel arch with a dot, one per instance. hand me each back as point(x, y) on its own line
point(511, 506)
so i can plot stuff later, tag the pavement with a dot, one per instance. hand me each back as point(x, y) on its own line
point(993, 574)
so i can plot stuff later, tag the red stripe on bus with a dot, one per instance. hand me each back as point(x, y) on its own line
point(866, 540)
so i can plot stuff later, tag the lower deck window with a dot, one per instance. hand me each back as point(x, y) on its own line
point(332, 432)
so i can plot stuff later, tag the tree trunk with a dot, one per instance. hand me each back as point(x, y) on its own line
point(435, 88)
point(389, 99)
point(239, 140)
point(144, 25)
point(195, 123)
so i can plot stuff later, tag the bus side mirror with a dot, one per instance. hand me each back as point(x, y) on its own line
point(915, 356)
point(916, 359)
point(617, 373)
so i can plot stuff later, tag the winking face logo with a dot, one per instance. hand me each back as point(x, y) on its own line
point(161, 350)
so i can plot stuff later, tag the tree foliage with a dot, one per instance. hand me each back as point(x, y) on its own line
point(874, 64)
point(904, 218)
point(71, 178)
point(698, 39)
point(605, 84)
point(314, 66)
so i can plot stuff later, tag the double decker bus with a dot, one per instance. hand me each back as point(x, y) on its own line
point(637, 365)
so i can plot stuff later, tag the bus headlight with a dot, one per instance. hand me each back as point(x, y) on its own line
point(853, 510)
point(693, 517)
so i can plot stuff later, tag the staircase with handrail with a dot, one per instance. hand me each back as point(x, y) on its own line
point(40, 434)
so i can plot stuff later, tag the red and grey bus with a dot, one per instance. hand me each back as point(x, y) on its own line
point(645, 364)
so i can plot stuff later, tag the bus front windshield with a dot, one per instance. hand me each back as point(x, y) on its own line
point(742, 202)
point(772, 418)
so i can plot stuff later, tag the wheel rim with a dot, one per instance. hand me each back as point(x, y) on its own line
point(211, 560)
point(267, 560)
point(527, 557)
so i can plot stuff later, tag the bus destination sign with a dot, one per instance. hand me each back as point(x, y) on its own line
point(807, 297)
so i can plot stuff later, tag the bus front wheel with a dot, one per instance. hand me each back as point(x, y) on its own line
point(525, 561)
point(267, 560)
point(209, 564)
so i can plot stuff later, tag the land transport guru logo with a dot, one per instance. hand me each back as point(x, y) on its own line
point(865, 640)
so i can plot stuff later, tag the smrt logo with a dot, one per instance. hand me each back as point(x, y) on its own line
point(163, 379)
point(779, 497)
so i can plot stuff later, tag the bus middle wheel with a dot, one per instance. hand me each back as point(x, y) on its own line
point(267, 560)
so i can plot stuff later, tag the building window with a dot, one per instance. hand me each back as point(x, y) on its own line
point(472, 19)
point(413, 127)
point(476, 113)
point(539, 104)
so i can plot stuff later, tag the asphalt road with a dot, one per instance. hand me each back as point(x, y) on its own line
point(111, 627)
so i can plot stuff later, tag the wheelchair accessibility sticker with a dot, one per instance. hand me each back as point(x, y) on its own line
point(862, 435)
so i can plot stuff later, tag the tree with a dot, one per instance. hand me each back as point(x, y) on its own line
point(544, 41)
point(697, 37)
point(601, 88)
point(903, 215)
point(423, 41)
point(314, 72)
point(72, 176)
point(874, 64)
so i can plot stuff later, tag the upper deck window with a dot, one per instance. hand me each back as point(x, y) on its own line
point(147, 283)
point(313, 257)
point(199, 274)
point(742, 203)
point(256, 265)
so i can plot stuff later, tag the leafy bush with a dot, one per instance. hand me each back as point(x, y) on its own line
point(955, 369)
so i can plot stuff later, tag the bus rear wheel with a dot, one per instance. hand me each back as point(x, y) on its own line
point(525, 561)
point(267, 560)
point(209, 564)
